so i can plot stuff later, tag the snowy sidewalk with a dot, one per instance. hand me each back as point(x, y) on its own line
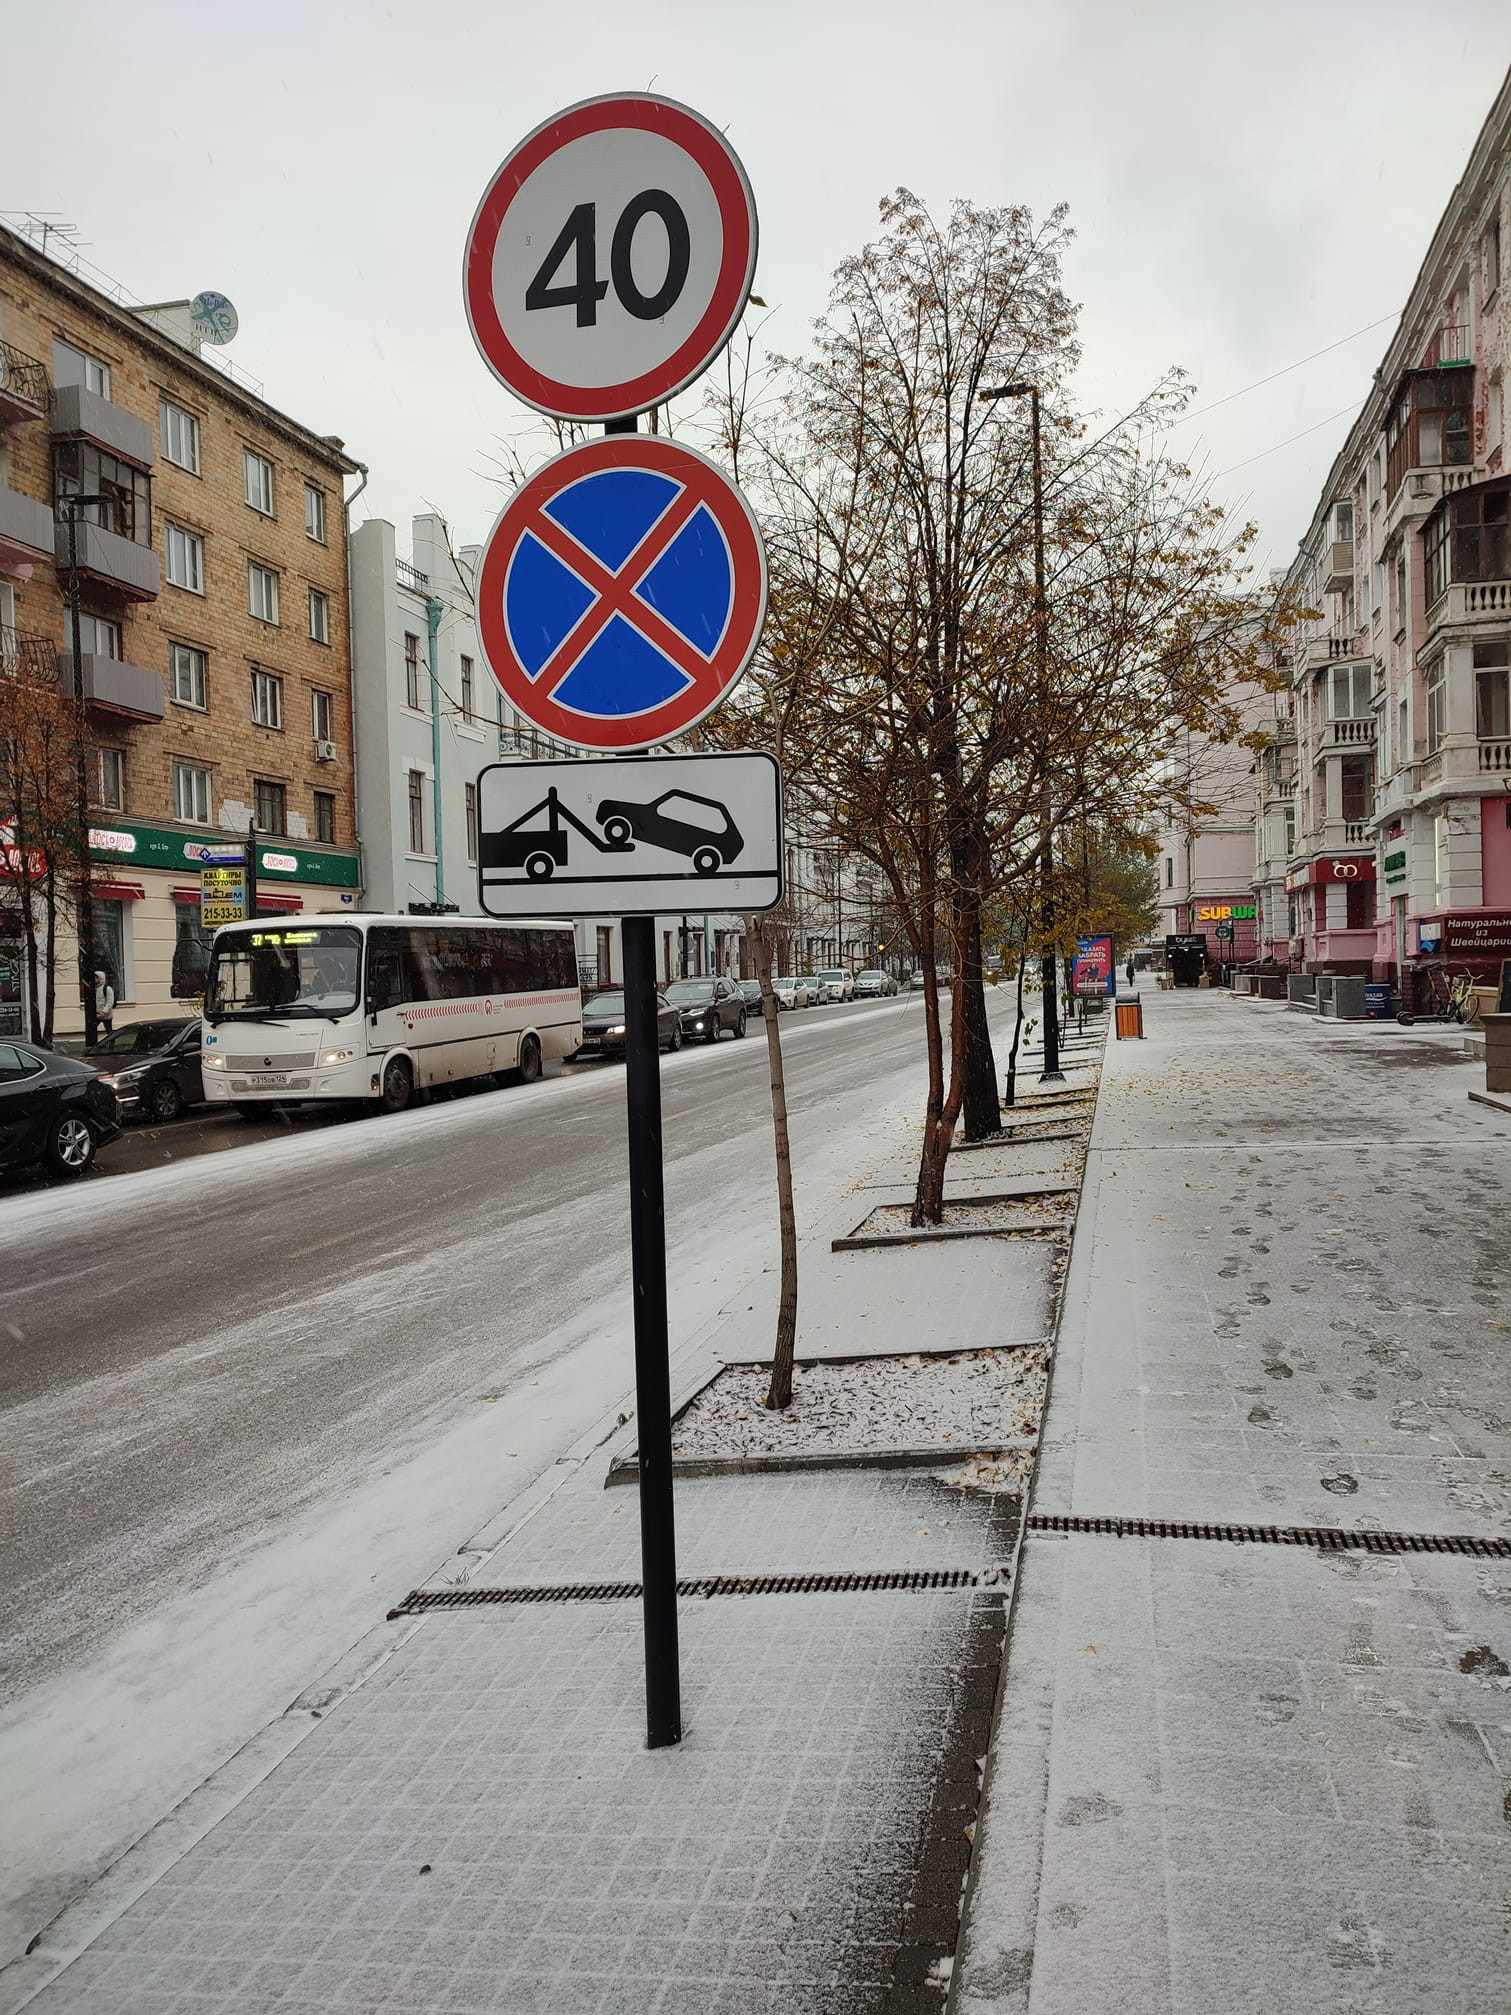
point(1234, 1777)
point(476, 1824)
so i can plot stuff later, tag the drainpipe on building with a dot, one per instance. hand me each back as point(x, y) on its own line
point(434, 610)
point(351, 671)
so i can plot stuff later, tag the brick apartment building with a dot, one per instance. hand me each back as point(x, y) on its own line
point(215, 640)
point(1384, 800)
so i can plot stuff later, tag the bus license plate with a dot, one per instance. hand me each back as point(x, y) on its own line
point(268, 1080)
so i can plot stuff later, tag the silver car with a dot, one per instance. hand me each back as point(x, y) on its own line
point(791, 993)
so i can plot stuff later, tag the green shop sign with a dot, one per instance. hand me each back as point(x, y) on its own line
point(127, 843)
point(1395, 865)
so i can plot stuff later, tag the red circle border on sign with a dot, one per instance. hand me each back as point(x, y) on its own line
point(742, 632)
point(708, 147)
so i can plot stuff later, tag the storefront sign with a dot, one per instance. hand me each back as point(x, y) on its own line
point(161, 847)
point(1224, 913)
point(1477, 934)
point(1333, 868)
point(1394, 865)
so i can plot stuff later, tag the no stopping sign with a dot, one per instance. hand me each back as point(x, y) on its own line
point(610, 257)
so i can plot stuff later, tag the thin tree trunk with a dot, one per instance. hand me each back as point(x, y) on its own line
point(982, 1109)
point(50, 912)
point(1012, 1055)
point(784, 1349)
point(928, 1202)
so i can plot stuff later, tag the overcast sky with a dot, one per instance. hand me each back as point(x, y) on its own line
point(1247, 184)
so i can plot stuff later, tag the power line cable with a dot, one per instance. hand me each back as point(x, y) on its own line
point(1284, 371)
point(1275, 450)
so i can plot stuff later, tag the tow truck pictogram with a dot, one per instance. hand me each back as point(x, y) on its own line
point(542, 851)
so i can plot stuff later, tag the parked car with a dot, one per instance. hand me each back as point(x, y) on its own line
point(839, 984)
point(59, 1110)
point(708, 1007)
point(750, 993)
point(873, 982)
point(916, 981)
point(792, 993)
point(154, 1067)
point(603, 1025)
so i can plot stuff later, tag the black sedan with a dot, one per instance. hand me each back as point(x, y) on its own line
point(154, 1066)
point(708, 1007)
point(603, 1025)
point(58, 1110)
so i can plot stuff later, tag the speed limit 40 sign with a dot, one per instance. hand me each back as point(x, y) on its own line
point(610, 258)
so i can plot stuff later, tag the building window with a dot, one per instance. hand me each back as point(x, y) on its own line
point(320, 616)
point(1436, 694)
point(1403, 607)
point(1349, 693)
point(1343, 523)
point(179, 432)
point(189, 675)
point(1169, 872)
point(470, 791)
point(107, 779)
point(412, 672)
point(324, 713)
point(257, 478)
point(268, 805)
point(468, 708)
point(267, 700)
point(1356, 787)
point(1403, 751)
point(1359, 905)
point(191, 793)
point(110, 943)
point(314, 514)
point(605, 955)
point(98, 637)
point(186, 559)
point(325, 818)
point(1466, 538)
point(417, 811)
point(1492, 689)
point(82, 469)
point(72, 366)
point(1490, 253)
point(262, 592)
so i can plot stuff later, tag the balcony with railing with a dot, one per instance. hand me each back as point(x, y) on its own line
point(1337, 647)
point(26, 530)
point(1447, 348)
point(1495, 756)
point(1338, 567)
point(409, 576)
point(114, 686)
point(1340, 735)
point(1429, 427)
point(1467, 551)
point(24, 387)
point(29, 657)
point(108, 560)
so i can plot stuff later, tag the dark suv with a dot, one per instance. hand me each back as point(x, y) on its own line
point(708, 1007)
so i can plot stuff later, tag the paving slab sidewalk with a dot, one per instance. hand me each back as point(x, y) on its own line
point(476, 1824)
point(1248, 1777)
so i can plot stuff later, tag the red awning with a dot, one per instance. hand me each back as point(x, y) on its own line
point(186, 896)
point(119, 892)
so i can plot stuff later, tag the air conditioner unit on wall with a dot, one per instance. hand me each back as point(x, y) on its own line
point(325, 752)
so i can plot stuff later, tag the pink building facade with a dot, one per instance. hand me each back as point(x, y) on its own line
point(1383, 813)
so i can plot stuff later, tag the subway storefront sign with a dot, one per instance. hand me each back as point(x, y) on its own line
point(127, 841)
point(1225, 913)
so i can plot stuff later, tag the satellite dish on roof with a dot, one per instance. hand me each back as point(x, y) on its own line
point(213, 318)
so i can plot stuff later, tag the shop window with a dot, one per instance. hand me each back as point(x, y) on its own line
point(191, 952)
point(1492, 689)
point(110, 942)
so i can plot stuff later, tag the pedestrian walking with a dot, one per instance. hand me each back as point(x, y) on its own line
point(1129, 970)
point(104, 1003)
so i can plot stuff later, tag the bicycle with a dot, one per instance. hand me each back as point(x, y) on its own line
point(1451, 998)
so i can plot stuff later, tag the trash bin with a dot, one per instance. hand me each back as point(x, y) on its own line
point(1128, 1016)
point(1379, 1000)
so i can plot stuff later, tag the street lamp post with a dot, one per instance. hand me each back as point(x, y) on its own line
point(1049, 965)
point(72, 506)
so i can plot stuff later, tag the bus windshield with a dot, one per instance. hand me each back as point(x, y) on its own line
point(295, 970)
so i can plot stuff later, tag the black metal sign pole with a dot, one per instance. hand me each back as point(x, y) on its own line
point(653, 1389)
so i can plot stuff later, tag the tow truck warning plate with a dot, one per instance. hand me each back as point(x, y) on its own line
point(630, 836)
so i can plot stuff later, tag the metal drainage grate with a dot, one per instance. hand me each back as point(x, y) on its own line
point(421, 1599)
point(1324, 1536)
